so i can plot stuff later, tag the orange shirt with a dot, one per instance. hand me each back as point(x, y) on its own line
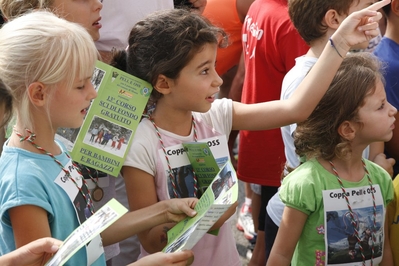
point(223, 13)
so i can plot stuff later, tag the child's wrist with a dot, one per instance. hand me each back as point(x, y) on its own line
point(339, 45)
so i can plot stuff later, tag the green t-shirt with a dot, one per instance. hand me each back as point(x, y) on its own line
point(327, 236)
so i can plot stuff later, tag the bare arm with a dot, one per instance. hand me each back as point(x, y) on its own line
point(356, 28)
point(181, 258)
point(26, 232)
point(287, 237)
point(132, 223)
point(141, 192)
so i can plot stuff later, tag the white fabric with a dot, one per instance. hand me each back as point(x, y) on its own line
point(119, 16)
point(143, 154)
point(275, 208)
point(217, 120)
point(291, 82)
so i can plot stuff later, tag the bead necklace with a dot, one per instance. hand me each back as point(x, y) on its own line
point(172, 179)
point(31, 137)
point(352, 216)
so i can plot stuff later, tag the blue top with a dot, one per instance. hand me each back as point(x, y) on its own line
point(388, 52)
point(27, 178)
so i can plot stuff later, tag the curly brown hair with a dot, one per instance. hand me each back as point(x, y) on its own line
point(318, 135)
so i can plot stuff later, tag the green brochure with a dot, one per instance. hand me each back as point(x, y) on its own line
point(104, 139)
point(203, 163)
point(91, 228)
point(217, 199)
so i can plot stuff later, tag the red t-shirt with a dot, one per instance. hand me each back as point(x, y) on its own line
point(271, 44)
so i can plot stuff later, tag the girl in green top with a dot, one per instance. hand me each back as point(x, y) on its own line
point(335, 202)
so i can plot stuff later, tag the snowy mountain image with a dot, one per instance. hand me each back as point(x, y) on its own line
point(343, 246)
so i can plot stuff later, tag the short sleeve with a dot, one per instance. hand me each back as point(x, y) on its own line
point(298, 191)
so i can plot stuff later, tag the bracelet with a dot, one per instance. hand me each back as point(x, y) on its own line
point(335, 48)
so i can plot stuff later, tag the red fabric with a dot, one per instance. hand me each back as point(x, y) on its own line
point(268, 29)
point(223, 13)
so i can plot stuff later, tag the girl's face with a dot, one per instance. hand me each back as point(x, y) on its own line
point(377, 116)
point(83, 12)
point(68, 106)
point(198, 83)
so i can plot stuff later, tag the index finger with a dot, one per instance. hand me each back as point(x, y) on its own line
point(378, 5)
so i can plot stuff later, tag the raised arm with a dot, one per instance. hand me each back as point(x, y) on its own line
point(358, 27)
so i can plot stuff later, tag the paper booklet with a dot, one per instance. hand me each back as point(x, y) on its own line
point(217, 198)
point(217, 184)
point(342, 247)
point(182, 170)
point(93, 226)
point(102, 142)
point(202, 161)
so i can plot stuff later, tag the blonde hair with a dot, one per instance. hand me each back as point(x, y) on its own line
point(40, 47)
point(15, 8)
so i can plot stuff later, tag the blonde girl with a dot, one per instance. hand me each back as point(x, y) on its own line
point(46, 64)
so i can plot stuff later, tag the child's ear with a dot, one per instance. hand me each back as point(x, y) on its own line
point(395, 7)
point(37, 93)
point(347, 130)
point(332, 19)
point(162, 84)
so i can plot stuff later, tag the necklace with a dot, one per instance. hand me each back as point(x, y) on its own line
point(31, 137)
point(352, 215)
point(171, 177)
point(97, 193)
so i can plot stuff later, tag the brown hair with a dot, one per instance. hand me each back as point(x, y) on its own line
point(318, 135)
point(164, 43)
point(307, 15)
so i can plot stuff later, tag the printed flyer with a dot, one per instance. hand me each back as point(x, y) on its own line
point(342, 246)
point(104, 138)
point(182, 170)
point(92, 227)
point(221, 194)
point(202, 161)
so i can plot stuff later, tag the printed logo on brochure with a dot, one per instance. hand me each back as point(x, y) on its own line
point(125, 93)
point(145, 91)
